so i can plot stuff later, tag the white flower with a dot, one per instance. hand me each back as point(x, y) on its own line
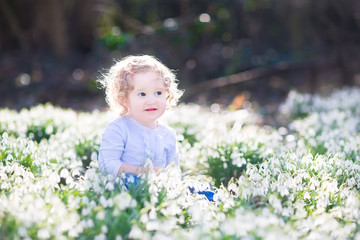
point(275, 203)
point(136, 233)
point(101, 236)
point(87, 223)
point(43, 233)
point(103, 201)
point(339, 172)
point(22, 232)
point(85, 200)
point(64, 173)
point(104, 229)
point(300, 211)
point(123, 201)
point(307, 196)
point(109, 186)
point(100, 215)
point(152, 214)
point(85, 212)
point(5, 186)
point(171, 210)
point(350, 182)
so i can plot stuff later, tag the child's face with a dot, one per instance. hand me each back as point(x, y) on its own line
point(147, 101)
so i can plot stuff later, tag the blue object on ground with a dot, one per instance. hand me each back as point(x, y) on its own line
point(207, 193)
point(130, 179)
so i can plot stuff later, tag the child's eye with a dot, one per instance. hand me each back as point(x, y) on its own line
point(142, 94)
point(158, 93)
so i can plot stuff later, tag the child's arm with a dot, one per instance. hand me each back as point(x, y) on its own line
point(128, 168)
point(111, 148)
point(173, 153)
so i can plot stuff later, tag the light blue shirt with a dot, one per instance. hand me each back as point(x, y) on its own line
point(127, 141)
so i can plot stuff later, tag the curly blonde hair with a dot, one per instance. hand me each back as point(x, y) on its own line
point(116, 81)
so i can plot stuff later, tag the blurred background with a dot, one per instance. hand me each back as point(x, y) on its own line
point(229, 52)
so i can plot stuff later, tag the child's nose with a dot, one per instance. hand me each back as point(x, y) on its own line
point(151, 99)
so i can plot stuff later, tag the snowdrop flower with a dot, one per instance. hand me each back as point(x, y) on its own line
point(101, 236)
point(123, 201)
point(136, 233)
point(105, 203)
point(97, 188)
point(299, 209)
point(23, 233)
point(233, 189)
point(109, 186)
point(322, 201)
point(275, 203)
point(43, 234)
point(152, 214)
point(307, 196)
point(118, 237)
point(100, 215)
point(89, 223)
point(314, 183)
point(318, 194)
point(339, 172)
point(85, 212)
point(351, 182)
point(172, 210)
point(104, 229)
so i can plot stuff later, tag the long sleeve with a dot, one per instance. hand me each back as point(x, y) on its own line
point(173, 152)
point(127, 141)
point(111, 149)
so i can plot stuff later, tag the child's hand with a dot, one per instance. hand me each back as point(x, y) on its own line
point(157, 169)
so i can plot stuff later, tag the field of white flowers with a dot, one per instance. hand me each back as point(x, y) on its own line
point(300, 181)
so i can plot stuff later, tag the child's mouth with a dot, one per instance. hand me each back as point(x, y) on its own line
point(150, 109)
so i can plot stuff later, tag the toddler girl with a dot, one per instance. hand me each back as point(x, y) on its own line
point(140, 89)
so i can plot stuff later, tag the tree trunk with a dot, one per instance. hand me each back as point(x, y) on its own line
point(51, 26)
point(14, 25)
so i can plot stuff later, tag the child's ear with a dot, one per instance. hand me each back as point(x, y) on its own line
point(167, 92)
point(126, 103)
